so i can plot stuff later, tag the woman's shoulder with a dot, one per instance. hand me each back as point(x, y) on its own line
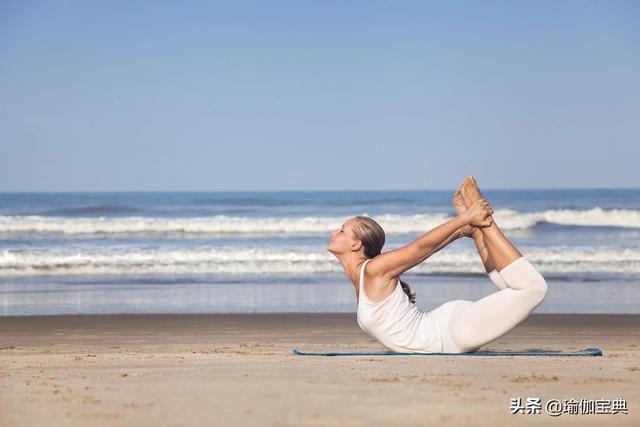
point(377, 286)
point(374, 267)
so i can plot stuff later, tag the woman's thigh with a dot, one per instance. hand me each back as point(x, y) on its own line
point(474, 324)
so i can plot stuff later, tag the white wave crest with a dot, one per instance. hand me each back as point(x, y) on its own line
point(595, 217)
point(220, 225)
point(258, 261)
point(214, 225)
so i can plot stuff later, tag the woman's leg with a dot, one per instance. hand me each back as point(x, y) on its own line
point(502, 251)
point(487, 260)
point(474, 324)
point(490, 241)
point(497, 279)
point(481, 246)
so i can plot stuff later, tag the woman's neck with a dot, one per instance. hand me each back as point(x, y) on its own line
point(352, 265)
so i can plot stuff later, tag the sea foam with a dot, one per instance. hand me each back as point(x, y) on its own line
point(261, 261)
point(221, 225)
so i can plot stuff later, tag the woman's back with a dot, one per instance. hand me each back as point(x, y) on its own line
point(396, 322)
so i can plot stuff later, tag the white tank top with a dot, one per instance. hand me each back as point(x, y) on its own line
point(396, 322)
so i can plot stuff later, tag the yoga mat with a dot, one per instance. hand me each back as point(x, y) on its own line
point(592, 351)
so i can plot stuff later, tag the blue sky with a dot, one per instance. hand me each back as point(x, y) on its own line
point(302, 95)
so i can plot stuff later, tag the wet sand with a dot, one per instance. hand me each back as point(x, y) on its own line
point(184, 370)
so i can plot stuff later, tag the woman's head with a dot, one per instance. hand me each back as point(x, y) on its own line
point(359, 233)
point(370, 234)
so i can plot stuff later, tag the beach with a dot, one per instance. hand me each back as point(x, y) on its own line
point(238, 369)
point(189, 192)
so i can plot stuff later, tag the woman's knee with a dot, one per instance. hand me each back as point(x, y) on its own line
point(534, 296)
point(521, 275)
point(542, 287)
point(537, 281)
point(538, 287)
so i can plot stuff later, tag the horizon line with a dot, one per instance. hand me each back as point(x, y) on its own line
point(311, 191)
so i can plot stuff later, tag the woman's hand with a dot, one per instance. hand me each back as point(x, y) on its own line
point(478, 213)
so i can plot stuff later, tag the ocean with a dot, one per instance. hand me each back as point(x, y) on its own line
point(245, 252)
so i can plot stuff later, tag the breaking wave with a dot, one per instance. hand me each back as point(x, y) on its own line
point(259, 261)
point(224, 225)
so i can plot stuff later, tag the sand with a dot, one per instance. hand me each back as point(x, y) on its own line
point(228, 370)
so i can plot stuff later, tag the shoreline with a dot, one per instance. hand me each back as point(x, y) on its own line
point(26, 299)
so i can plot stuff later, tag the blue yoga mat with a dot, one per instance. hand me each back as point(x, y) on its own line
point(592, 351)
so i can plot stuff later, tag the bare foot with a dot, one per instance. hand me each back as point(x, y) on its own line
point(470, 191)
point(459, 206)
point(458, 202)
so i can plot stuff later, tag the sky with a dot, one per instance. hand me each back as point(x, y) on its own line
point(307, 95)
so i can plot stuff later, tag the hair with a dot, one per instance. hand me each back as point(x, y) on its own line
point(372, 237)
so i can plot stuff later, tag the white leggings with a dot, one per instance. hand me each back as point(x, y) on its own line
point(467, 325)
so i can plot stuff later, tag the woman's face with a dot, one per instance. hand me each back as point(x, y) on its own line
point(342, 238)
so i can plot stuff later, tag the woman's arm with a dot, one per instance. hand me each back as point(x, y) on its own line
point(395, 262)
point(453, 237)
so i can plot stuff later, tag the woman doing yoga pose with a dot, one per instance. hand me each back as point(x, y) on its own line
point(386, 308)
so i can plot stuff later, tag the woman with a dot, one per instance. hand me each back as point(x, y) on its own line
point(386, 308)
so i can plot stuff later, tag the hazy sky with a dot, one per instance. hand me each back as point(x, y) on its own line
point(318, 95)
